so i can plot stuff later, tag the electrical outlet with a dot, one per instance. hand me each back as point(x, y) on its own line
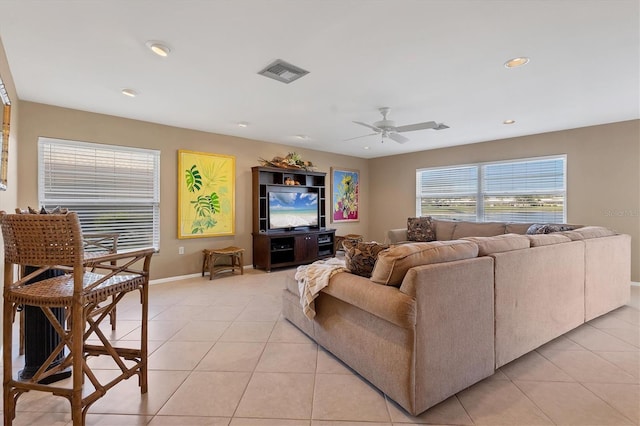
point(180, 250)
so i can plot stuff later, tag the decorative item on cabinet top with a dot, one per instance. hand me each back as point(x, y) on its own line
point(291, 161)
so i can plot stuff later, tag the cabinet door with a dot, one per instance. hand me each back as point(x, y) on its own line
point(306, 247)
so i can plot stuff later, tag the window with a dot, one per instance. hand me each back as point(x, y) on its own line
point(112, 188)
point(528, 190)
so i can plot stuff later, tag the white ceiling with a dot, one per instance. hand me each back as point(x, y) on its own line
point(426, 59)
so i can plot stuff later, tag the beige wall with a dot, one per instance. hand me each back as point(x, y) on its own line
point(8, 197)
point(603, 177)
point(45, 120)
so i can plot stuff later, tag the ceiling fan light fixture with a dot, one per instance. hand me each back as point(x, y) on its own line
point(158, 48)
point(516, 62)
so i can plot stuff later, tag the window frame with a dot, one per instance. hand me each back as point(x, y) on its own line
point(480, 187)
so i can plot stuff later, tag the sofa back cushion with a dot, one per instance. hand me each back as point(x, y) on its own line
point(478, 229)
point(393, 263)
point(397, 235)
point(499, 243)
point(517, 228)
point(360, 257)
point(547, 239)
point(444, 229)
point(588, 232)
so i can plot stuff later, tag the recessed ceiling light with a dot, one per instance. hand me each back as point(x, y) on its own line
point(366, 147)
point(509, 121)
point(243, 124)
point(302, 137)
point(516, 62)
point(129, 92)
point(158, 48)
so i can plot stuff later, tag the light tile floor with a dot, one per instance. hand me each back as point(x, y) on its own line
point(221, 354)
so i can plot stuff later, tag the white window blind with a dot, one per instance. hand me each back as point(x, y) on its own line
point(528, 190)
point(448, 192)
point(112, 188)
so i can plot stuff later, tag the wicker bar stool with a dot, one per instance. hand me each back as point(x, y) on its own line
point(54, 241)
point(235, 255)
point(95, 244)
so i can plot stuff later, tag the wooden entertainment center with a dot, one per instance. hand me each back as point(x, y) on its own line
point(278, 247)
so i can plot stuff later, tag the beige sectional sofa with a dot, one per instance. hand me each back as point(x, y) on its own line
point(437, 317)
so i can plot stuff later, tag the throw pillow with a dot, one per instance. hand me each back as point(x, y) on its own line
point(421, 229)
point(31, 210)
point(360, 257)
point(548, 228)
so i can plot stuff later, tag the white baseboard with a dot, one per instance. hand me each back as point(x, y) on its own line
point(635, 284)
point(178, 278)
point(184, 277)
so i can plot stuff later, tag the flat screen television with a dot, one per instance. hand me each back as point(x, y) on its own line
point(293, 208)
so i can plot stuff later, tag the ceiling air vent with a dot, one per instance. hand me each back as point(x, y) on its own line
point(283, 71)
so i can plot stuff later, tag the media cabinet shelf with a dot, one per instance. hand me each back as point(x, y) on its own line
point(278, 247)
point(277, 250)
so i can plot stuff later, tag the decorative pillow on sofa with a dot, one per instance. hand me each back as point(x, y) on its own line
point(421, 229)
point(360, 257)
point(548, 228)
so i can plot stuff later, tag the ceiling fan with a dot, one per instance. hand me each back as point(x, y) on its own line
point(388, 129)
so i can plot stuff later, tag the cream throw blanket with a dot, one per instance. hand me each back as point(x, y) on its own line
point(313, 278)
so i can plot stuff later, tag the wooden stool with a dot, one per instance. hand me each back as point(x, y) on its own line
point(234, 254)
point(351, 237)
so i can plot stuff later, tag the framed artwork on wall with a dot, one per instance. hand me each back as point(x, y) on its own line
point(5, 116)
point(206, 194)
point(344, 195)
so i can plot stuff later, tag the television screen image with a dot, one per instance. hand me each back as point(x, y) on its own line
point(293, 209)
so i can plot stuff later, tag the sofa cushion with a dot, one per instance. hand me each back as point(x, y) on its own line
point(420, 229)
point(517, 228)
point(548, 228)
point(547, 239)
point(499, 243)
point(444, 229)
point(588, 232)
point(360, 257)
point(397, 235)
point(393, 263)
point(478, 229)
point(382, 301)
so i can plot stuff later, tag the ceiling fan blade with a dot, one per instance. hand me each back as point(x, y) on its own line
point(358, 137)
point(417, 126)
point(398, 138)
point(368, 125)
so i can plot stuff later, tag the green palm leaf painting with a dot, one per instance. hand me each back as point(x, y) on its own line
point(206, 194)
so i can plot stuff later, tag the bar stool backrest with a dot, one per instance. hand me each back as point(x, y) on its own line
point(42, 239)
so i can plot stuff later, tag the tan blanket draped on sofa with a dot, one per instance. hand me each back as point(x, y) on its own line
point(313, 278)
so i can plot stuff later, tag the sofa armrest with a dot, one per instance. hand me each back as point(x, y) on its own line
point(396, 235)
point(454, 326)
